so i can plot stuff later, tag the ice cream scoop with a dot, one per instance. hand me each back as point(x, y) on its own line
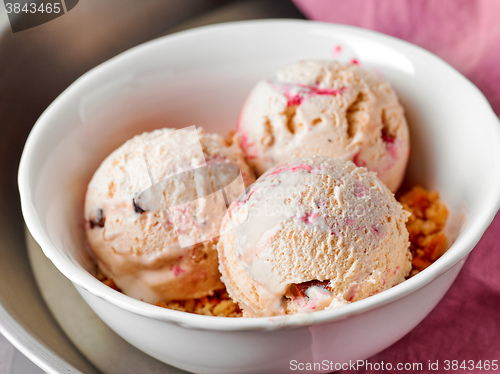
point(314, 233)
point(138, 246)
point(320, 107)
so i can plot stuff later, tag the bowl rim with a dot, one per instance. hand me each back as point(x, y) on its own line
point(86, 281)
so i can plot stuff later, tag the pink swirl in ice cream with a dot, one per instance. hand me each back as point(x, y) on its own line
point(326, 108)
point(314, 233)
point(296, 93)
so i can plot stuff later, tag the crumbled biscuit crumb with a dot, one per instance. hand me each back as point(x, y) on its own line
point(425, 226)
point(219, 305)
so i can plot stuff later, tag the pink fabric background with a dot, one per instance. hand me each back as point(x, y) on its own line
point(465, 33)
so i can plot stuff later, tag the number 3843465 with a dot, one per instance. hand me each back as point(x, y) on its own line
point(484, 365)
point(33, 7)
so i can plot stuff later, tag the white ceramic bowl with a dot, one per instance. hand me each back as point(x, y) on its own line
point(201, 77)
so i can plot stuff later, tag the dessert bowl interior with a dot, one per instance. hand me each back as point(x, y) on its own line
point(202, 77)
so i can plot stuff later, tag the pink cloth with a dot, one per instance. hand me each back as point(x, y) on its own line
point(465, 33)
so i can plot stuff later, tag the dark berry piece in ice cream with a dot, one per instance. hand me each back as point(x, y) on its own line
point(99, 220)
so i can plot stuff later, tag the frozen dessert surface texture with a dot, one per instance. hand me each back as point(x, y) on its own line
point(139, 249)
point(314, 233)
point(320, 107)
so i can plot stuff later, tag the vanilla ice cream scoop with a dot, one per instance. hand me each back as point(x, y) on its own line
point(314, 233)
point(326, 108)
point(138, 247)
